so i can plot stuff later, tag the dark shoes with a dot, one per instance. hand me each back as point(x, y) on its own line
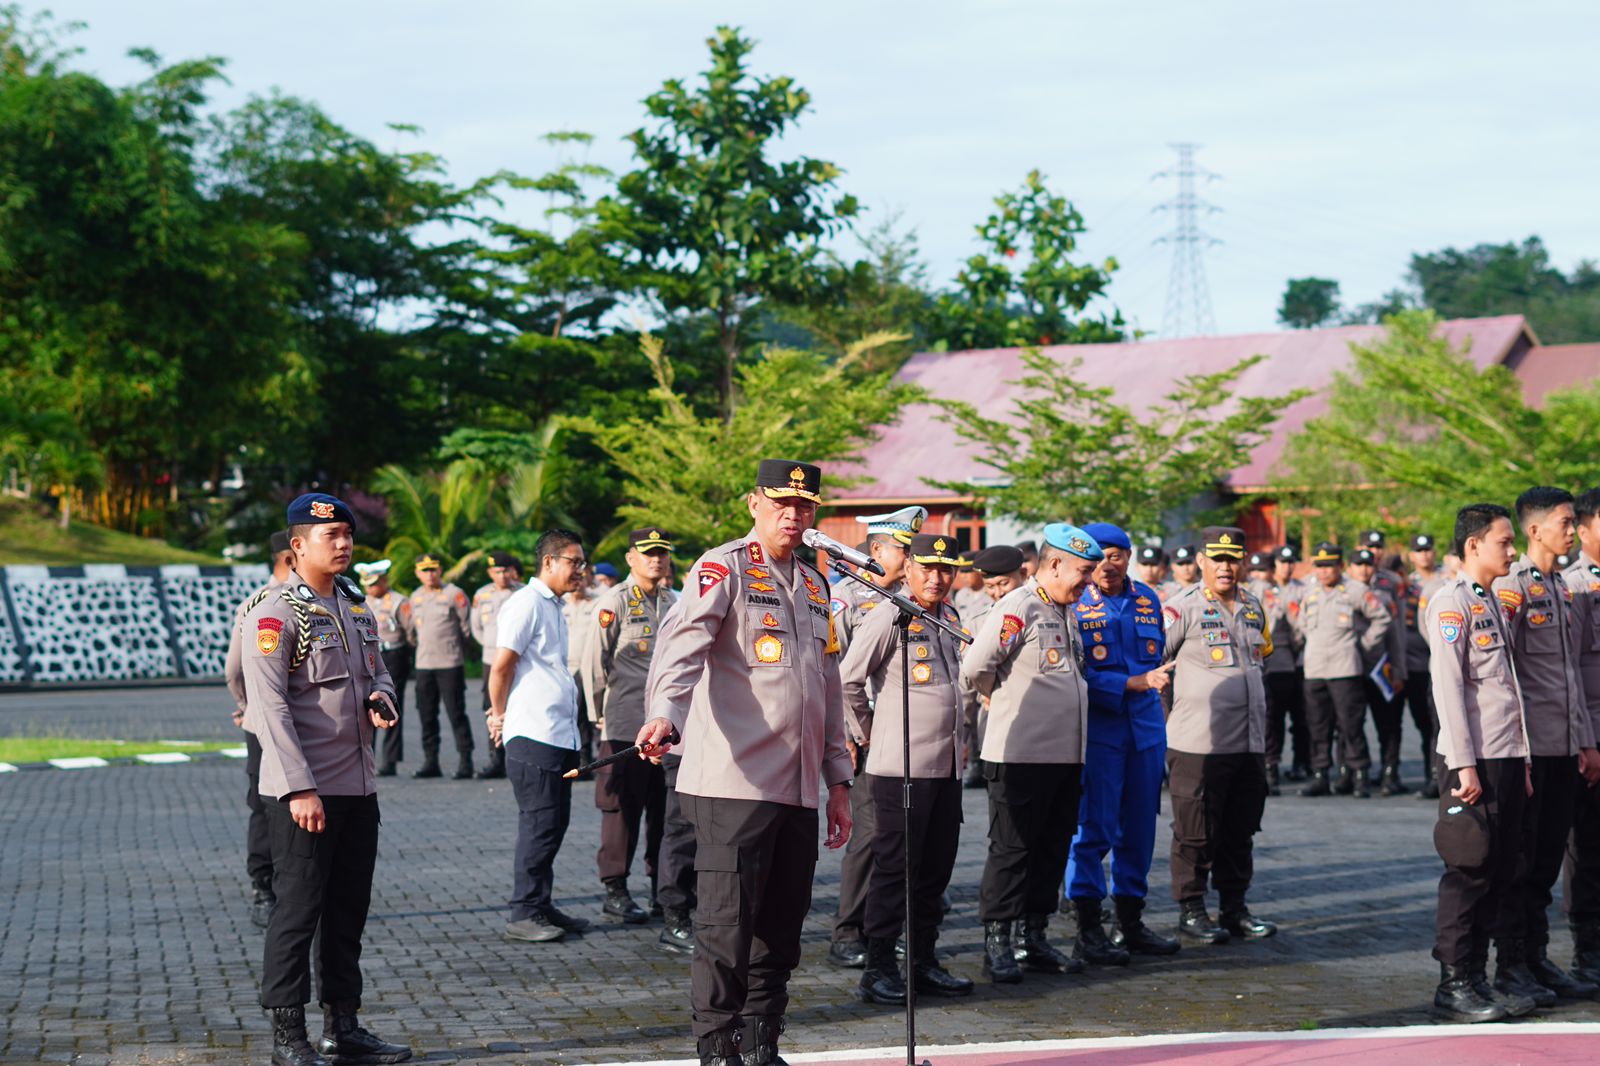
point(429, 768)
point(463, 770)
point(1131, 933)
point(930, 978)
point(290, 1045)
point(492, 773)
point(344, 1041)
point(1297, 773)
point(759, 1041)
point(388, 769)
point(1557, 980)
point(1239, 922)
point(999, 957)
point(262, 902)
point(720, 1048)
point(1033, 950)
point(1459, 999)
point(1318, 786)
point(1390, 784)
point(1092, 944)
point(881, 981)
point(619, 904)
point(677, 935)
point(1586, 951)
point(1513, 978)
point(973, 777)
point(847, 954)
point(1272, 781)
point(1196, 924)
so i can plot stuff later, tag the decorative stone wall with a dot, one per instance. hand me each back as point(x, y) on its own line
point(116, 623)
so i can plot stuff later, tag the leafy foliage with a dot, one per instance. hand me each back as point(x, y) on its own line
point(1308, 302)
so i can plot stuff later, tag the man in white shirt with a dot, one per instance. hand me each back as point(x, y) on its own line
point(533, 712)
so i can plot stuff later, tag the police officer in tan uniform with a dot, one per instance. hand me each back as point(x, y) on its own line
point(1581, 890)
point(1217, 741)
point(311, 666)
point(1150, 566)
point(1001, 567)
point(486, 604)
point(1344, 630)
point(873, 680)
point(441, 625)
point(627, 621)
point(1538, 607)
point(1185, 571)
point(749, 676)
point(392, 612)
point(1285, 699)
point(1388, 712)
point(1483, 745)
point(1028, 659)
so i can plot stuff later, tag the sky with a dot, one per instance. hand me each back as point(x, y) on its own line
point(1345, 136)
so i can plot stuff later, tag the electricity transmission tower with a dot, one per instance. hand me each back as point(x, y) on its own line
point(1188, 310)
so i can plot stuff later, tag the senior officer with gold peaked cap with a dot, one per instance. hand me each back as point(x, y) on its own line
point(311, 665)
point(1028, 660)
point(748, 674)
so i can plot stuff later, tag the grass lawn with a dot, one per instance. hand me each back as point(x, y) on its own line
point(27, 536)
point(39, 749)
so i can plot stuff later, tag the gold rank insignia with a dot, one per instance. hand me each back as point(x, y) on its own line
point(769, 620)
point(761, 586)
point(769, 649)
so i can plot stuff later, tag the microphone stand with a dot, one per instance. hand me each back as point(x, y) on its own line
point(909, 609)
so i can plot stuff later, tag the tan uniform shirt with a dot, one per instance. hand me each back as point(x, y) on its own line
point(579, 615)
point(1583, 578)
point(486, 604)
point(233, 667)
point(1345, 629)
point(1474, 688)
point(1418, 589)
point(393, 614)
point(872, 667)
point(617, 652)
point(852, 604)
point(1219, 695)
point(1538, 609)
point(1395, 638)
point(1275, 601)
point(972, 604)
point(312, 722)
point(441, 623)
point(1028, 659)
point(749, 676)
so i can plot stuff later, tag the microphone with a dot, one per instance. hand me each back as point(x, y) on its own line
point(815, 538)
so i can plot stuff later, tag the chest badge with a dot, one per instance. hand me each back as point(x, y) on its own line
point(1150, 647)
point(769, 620)
point(922, 673)
point(769, 649)
point(1218, 654)
point(922, 651)
point(1053, 655)
point(1099, 652)
point(1483, 640)
point(643, 645)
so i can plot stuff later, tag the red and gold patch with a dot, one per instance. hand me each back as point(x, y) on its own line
point(770, 620)
point(1099, 651)
point(814, 591)
point(921, 673)
point(1010, 627)
point(1510, 597)
point(606, 618)
point(321, 509)
point(1150, 647)
point(756, 572)
point(267, 631)
point(1536, 589)
point(1483, 640)
point(710, 574)
point(769, 649)
point(1479, 608)
point(1537, 618)
point(756, 555)
point(762, 586)
point(1053, 655)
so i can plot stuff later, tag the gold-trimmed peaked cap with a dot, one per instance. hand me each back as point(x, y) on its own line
point(649, 540)
point(1222, 542)
point(1327, 554)
point(902, 525)
point(779, 478)
point(937, 549)
point(428, 562)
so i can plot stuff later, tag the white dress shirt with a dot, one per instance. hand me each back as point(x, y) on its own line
point(543, 704)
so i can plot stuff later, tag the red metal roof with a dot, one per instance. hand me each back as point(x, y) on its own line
point(919, 446)
point(1555, 366)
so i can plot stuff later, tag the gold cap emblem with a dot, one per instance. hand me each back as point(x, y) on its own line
point(797, 475)
point(938, 545)
point(1227, 538)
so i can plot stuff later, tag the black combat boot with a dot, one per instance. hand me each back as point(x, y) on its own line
point(262, 902)
point(1195, 923)
point(1511, 974)
point(1516, 1006)
point(720, 1048)
point(1586, 951)
point(1318, 786)
point(1360, 784)
point(347, 1044)
point(496, 767)
point(1234, 916)
point(429, 767)
point(1130, 931)
point(463, 769)
point(1272, 780)
point(619, 904)
point(290, 1045)
point(930, 978)
point(1430, 789)
point(760, 1041)
point(1391, 785)
point(1346, 783)
point(1458, 999)
point(656, 909)
point(1033, 950)
point(1092, 944)
point(848, 954)
point(881, 981)
point(1557, 980)
point(1297, 772)
point(999, 959)
point(677, 935)
point(973, 778)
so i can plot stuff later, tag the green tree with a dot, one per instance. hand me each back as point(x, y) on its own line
point(689, 474)
point(715, 226)
point(435, 511)
point(1504, 279)
point(1308, 302)
point(1070, 451)
point(1024, 289)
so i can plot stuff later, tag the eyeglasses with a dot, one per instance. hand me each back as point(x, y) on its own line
point(578, 562)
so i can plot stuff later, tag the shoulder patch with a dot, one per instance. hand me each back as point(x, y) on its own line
point(1450, 625)
point(1172, 613)
point(836, 605)
point(710, 574)
point(606, 618)
point(1511, 598)
point(267, 634)
point(461, 598)
point(1010, 628)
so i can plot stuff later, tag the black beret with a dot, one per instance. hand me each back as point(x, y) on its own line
point(278, 542)
point(998, 560)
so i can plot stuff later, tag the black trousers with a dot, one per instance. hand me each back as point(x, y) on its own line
point(544, 809)
point(1341, 701)
point(389, 744)
point(628, 793)
point(855, 870)
point(933, 832)
point(497, 752)
point(1388, 716)
point(320, 879)
point(1286, 700)
point(1217, 803)
point(676, 865)
point(257, 836)
point(1419, 697)
point(1470, 897)
point(1546, 823)
point(449, 685)
point(1580, 891)
point(754, 862)
point(1033, 812)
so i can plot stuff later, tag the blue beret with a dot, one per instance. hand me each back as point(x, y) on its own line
point(318, 508)
point(1069, 538)
point(1108, 536)
point(607, 569)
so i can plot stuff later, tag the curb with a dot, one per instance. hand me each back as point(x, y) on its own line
point(94, 762)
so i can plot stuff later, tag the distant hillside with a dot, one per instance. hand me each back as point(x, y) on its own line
point(26, 536)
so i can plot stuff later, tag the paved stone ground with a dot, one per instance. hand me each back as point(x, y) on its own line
point(124, 934)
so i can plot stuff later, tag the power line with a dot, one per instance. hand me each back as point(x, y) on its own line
point(1188, 310)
